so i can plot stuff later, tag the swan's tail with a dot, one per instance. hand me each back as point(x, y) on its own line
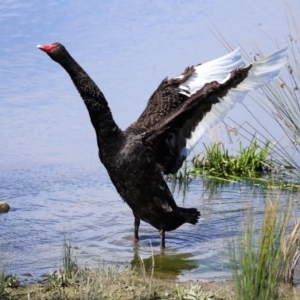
point(191, 215)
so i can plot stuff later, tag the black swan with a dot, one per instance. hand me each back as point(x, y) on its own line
point(176, 116)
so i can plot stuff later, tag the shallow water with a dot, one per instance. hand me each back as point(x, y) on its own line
point(54, 202)
point(49, 170)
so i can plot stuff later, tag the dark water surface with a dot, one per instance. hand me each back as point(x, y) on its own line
point(49, 170)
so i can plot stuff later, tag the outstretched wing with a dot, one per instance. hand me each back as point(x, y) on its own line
point(173, 92)
point(174, 134)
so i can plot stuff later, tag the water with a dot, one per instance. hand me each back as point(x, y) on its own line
point(55, 201)
point(49, 169)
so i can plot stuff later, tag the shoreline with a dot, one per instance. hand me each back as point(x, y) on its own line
point(112, 283)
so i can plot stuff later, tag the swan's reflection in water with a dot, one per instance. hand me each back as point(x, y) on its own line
point(166, 265)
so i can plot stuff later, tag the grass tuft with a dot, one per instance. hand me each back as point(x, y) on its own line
point(259, 266)
point(6, 281)
point(251, 161)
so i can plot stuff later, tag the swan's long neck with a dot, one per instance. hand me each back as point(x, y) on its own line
point(96, 104)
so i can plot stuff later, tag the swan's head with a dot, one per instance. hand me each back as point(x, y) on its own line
point(56, 51)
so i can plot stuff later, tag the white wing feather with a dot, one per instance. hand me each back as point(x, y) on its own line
point(214, 70)
point(261, 73)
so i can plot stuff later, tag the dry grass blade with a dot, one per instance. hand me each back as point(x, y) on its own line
point(142, 266)
point(152, 270)
point(291, 251)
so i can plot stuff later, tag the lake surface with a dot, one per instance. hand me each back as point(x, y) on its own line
point(49, 168)
point(58, 201)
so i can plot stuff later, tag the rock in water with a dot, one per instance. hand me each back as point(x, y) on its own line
point(4, 207)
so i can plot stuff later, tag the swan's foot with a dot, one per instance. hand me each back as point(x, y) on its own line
point(137, 222)
point(135, 239)
point(162, 239)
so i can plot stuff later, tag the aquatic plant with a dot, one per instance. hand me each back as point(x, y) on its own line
point(70, 268)
point(250, 161)
point(67, 274)
point(259, 265)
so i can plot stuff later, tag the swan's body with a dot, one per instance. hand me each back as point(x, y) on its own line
point(176, 116)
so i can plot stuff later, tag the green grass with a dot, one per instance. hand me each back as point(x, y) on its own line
point(250, 161)
point(253, 164)
point(259, 265)
point(67, 274)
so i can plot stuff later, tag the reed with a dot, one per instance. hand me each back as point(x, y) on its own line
point(70, 268)
point(259, 265)
point(285, 93)
point(284, 97)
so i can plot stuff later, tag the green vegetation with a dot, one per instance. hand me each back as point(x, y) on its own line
point(67, 274)
point(259, 265)
point(251, 161)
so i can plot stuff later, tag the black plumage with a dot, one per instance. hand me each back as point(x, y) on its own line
point(136, 158)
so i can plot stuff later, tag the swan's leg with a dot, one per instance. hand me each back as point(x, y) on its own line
point(162, 239)
point(137, 222)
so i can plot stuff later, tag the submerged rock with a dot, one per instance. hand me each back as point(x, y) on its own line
point(4, 207)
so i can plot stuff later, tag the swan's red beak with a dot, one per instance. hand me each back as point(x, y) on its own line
point(47, 48)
